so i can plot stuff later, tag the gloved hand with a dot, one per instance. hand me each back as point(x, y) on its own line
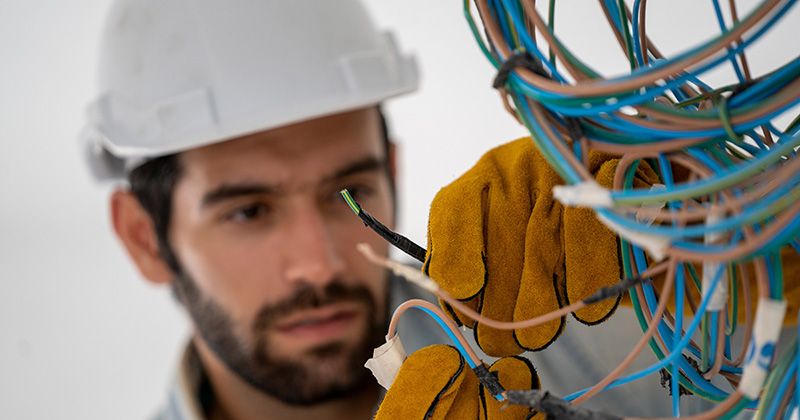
point(500, 242)
point(436, 383)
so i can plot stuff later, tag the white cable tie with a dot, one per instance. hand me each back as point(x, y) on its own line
point(761, 351)
point(584, 194)
point(386, 361)
point(646, 219)
point(719, 297)
point(655, 245)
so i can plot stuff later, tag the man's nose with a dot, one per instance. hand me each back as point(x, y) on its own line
point(313, 254)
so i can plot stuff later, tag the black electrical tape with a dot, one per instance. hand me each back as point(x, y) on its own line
point(401, 242)
point(575, 128)
point(524, 59)
point(489, 379)
point(613, 290)
point(519, 59)
point(555, 408)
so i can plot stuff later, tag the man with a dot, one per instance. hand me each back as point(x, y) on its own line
point(236, 124)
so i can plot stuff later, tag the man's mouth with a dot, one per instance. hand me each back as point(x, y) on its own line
point(321, 324)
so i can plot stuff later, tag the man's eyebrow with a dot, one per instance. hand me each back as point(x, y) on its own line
point(228, 191)
point(367, 164)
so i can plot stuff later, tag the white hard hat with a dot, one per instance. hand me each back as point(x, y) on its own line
point(178, 74)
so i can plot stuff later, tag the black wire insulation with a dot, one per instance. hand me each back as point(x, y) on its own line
point(401, 242)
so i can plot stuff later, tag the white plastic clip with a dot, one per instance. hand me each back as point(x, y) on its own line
point(655, 245)
point(645, 219)
point(583, 194)
point(767, 329)
point(719, 298)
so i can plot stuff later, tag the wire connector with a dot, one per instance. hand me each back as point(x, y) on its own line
point(386, 361)
point(584, 194)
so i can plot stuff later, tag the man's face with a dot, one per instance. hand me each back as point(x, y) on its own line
point(267, 247)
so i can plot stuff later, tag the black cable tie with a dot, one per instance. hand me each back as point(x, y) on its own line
point(555, 408)
point(518, 59)
point(614, 290)
point(489, 380)
point(401, 242)
point(575, 128)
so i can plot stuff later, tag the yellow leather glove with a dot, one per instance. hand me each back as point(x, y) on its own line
point(500, 242)
point(436, 383)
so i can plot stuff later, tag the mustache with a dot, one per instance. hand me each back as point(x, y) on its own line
point(311, 297)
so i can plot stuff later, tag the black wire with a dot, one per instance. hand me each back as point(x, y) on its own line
point(401, 242)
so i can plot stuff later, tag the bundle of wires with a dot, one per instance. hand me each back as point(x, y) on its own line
point(731, 182)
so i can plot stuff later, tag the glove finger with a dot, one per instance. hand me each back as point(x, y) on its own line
point(539, 284)
point(426, 385)
point(591, 249)
point(457, 316)
point(519, 169)
point(592, 262)
point(513, 373)
point(455, 257)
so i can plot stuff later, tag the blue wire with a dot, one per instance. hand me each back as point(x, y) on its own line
point(449, 332)
point(519, 84)
point(668, 358)
point(713, 325)
point(721, 22)
point(676, 384)
point(530, 44)
point(784, 386)
point(765, 160)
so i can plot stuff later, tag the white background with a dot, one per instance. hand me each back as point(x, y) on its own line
point(81, 335)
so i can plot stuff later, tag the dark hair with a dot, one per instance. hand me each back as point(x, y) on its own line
point(154, 181)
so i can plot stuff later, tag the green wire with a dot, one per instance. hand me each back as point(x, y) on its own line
point(774, 378)
point(736, 409)
point(722, 110)
point(795, 122)
point(350, 202)
point(705, 347)
point(733, 319)
point(626, 31)
point(477, 36)
point(627, 264)
point(777, 271)
point(697, 190)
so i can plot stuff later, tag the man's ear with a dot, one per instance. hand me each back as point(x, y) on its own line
point(135, 229)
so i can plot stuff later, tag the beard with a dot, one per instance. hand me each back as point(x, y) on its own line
point(323, 373)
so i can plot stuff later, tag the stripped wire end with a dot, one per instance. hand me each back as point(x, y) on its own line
point(350, 202)
point(401, 242)
point(409, 273)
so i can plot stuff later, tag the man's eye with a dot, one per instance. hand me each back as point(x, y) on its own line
point(360, 192)
point(249, 213)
